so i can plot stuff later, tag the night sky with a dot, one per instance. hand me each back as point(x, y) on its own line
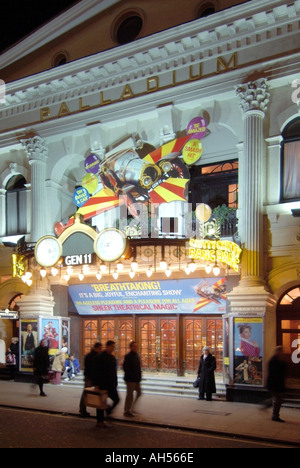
point(18, 18)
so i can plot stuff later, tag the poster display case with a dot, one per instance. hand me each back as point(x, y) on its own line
point(243, 350)
point(54, 330)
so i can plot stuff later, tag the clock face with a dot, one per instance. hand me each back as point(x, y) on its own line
point(47, 251)
point(110, 244)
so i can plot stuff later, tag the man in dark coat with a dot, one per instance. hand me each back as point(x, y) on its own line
point(132, 377)
point(206, 374)
point(89, 364)
point(276, 381)
point(41, 365)
point(105, 378)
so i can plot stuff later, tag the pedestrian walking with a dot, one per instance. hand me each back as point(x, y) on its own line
point(105, 378)
point(41, 365)
point(276, 382)
point(89, 364)
point(132, 377)
point(206, 375)
point(12, 358)
point(58, 365)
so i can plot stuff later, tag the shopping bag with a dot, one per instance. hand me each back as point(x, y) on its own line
point(10, 359)
point(95, 398)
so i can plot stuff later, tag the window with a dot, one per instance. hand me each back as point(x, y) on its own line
point(128, 27)
point(215, 185)
point(16, 206)
point(290, 162)
point(206, 10)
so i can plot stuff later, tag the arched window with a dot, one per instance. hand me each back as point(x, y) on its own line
point(290, 162)
point(16, 206)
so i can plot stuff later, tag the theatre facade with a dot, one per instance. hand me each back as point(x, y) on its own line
point(150, 190)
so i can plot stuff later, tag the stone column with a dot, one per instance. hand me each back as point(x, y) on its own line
point(251, 301)
point(40, 300)
point(37, 152)
point(254, 98)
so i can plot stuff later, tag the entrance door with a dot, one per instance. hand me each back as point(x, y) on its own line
point(158, 344)
point(148, 343)
point(200, 332)
point(118, 329)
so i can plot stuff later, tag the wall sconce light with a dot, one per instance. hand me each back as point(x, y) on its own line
point(132, 274)
point(120, 266)
point(43, 272)
point(168, 272)
point(192, 266)
point(115, 275)
point(149, 272)
point(98, 275)
point(207, 269)
point(216, 270)
point(81, 276)
point(187, 270)
point(67, 277)
point(103, 268)
point(54, 271)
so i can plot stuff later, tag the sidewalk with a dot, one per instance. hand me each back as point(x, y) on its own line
point(216, 417)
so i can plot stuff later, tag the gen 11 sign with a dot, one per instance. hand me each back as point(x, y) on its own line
point(192, 295)
point(79, 259)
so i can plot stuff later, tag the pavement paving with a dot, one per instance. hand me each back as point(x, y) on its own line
point(215, 417)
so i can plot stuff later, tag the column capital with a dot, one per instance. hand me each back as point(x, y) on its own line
point(36, 148)
point(254, 95)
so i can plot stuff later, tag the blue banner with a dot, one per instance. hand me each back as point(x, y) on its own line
point(184, 296)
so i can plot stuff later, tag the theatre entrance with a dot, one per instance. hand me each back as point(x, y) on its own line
point(166, 343)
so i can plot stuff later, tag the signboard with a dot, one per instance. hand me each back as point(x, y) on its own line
point(215, 251)
point(80, 196)
point(192, 295)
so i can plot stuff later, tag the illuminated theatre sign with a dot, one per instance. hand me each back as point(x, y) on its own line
point(215, 251)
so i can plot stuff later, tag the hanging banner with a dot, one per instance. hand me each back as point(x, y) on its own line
point(192, 295)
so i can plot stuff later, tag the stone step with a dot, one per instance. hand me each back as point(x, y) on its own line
point(159, 385)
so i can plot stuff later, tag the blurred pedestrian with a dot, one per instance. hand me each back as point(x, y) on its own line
point(89, 364)
point(276, 382)
point(41, 365)
point(132, 377)
point(105, 378)
point(58, 365)
point(12, 358)
point(206, 374)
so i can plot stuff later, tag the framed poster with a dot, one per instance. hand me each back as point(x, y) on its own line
point(50, 332)
point(248, 346)
point(29, 341)
point(65, 333)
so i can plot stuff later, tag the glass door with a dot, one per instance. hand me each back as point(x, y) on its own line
point(148, 343)
point(168, 352)
point(193, 343)
point(214, 339)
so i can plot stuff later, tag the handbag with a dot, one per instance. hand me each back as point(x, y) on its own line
point(95, 398)
point(196, 383)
